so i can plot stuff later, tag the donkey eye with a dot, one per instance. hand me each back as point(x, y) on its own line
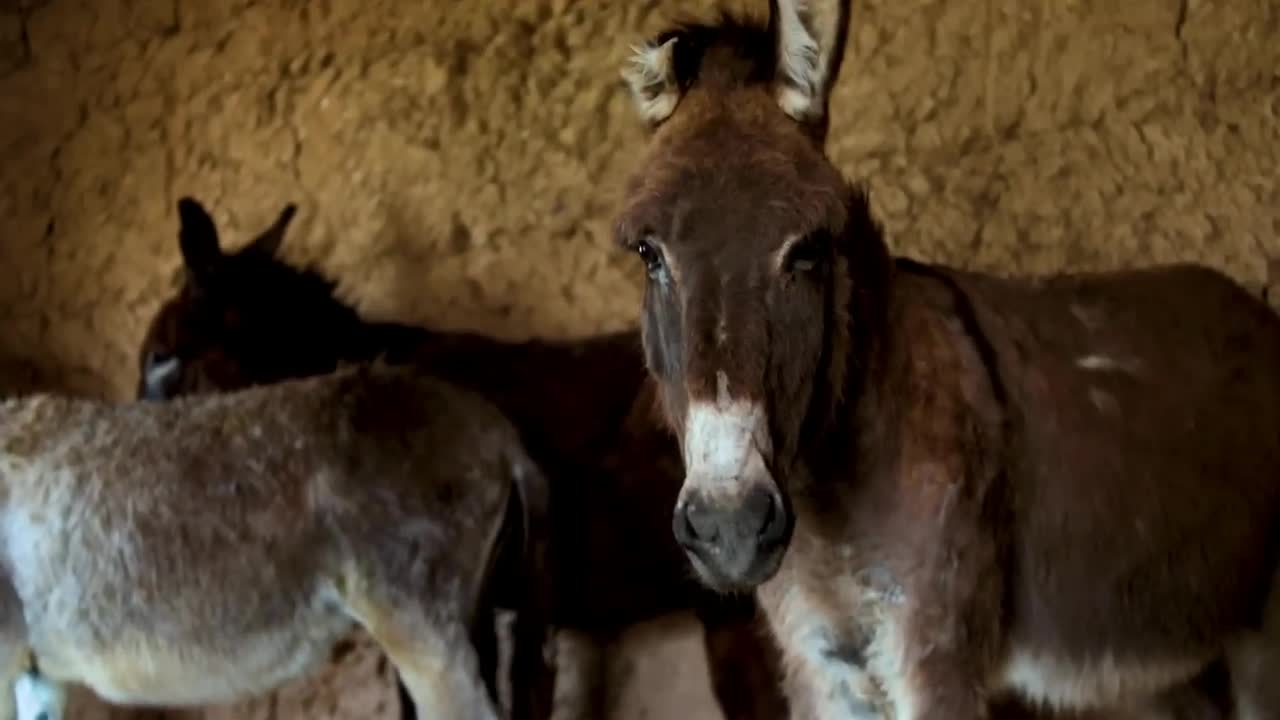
point(806, 254)
point(157, 358)
point(650, 255)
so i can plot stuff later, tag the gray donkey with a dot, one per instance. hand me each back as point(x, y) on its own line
point(215, 547)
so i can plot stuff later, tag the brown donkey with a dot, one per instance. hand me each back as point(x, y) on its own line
point(583, 409)
point(941, 485)
point(215, 547)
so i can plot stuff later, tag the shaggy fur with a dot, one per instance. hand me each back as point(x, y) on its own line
point(215, 547)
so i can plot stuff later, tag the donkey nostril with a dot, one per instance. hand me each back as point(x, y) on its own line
point(681, 526)
point(702, 522)
point(773, 527)
point(770, 514)
point(693, 525)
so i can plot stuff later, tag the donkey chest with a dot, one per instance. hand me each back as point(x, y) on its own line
point(842, 641)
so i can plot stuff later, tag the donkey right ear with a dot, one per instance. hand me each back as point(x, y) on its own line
point(198, 239)
point(809, 38)
point(651, 76)
point(269, 241)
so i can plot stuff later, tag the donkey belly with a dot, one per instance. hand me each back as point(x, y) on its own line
point(1102, 681)
point(140, 624)
point(142, 665)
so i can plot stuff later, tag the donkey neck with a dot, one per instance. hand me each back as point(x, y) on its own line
point(920, 373)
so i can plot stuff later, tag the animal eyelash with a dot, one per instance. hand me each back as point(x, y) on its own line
point(807, 253)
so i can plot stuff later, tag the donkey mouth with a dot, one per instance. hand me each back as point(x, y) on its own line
point(741, 577)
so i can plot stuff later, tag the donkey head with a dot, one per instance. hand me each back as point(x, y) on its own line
point(758, 253)
point(240, 319)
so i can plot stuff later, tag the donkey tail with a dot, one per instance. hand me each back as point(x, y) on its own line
point(530, 595)
point(1271, 286)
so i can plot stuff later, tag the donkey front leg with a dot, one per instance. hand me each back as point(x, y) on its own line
point(825, 661)
point(827, 674)
point(933, 662)
point(939, 687)
point(833, 690)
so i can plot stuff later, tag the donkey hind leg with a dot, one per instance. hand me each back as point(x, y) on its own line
point(532, 674)
point(13, 657)
point(407, 710)
point(1254, 664)
point(484, 638)
point(484, 625)
point(435, 661)
point(15, 654)
point(39, 698)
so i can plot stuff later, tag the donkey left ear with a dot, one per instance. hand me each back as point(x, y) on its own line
point(268, 243)
point(198, 240)
point(809, 36)
point(651, 75)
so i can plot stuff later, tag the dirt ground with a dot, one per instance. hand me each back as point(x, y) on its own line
point(457, 163)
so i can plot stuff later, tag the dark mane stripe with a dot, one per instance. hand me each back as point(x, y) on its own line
point(748, 42)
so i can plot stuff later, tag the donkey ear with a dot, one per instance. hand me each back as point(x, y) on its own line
point(651, 75)
point(809, 36)
point(198, 239)
point(269, 241)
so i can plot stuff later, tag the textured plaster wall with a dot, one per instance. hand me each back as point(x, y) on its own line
point(457, 163)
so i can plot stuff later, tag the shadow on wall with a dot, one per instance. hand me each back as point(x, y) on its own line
point(111, 110)
point(15, 48)
point(20, 375)
point(472, 296)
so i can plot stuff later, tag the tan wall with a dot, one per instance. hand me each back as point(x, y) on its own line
point(456, 162)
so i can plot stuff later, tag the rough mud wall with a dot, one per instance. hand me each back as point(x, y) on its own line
point(457, 162)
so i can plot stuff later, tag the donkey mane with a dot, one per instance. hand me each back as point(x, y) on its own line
point(747, 43)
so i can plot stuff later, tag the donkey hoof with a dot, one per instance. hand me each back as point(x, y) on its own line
point(36, 698)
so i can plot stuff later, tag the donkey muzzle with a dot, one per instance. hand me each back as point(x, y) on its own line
point(735, 541)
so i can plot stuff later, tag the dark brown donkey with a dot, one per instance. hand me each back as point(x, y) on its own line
point(582, 408)
point(940, 484)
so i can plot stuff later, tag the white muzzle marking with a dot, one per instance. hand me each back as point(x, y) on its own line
point(725, 443)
